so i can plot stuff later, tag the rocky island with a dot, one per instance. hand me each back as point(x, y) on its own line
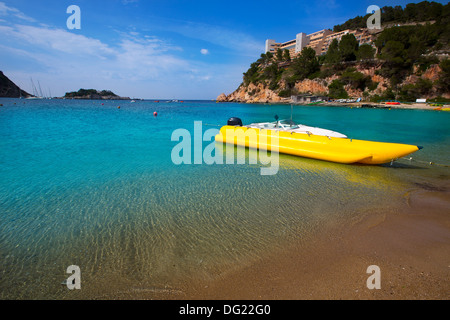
point(92, 94)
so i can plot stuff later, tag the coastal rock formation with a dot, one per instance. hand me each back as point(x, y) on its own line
point(92, 94)
point(100, 97)
point(432, 73)
point(9, 89)
point(261, 93)
point(222, 98)
point(252, 94)
point(316, 87)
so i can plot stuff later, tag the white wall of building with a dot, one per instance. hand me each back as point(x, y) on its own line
point(270, 45)
point(301, 42)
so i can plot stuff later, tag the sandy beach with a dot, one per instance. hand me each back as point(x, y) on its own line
point(420, 106)
point(410, 246)
point(412, 105)
point(412, 249)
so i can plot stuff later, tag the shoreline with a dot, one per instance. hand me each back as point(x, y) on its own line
point(411, 248)
point(372, 105)
point(410, 245)
point(418, 106)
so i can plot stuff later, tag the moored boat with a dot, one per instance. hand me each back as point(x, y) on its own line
point(291, 126)
point(310, 145)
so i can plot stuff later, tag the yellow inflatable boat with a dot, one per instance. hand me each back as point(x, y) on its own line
point(310, 145)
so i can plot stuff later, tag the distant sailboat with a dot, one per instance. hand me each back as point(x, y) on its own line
point(35, 91)
point(40, 90)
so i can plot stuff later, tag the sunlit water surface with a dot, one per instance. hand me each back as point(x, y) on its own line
point(95, 186)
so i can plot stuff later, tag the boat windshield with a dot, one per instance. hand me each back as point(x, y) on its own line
point(266, 125)
point(288, 124)
point(283, 124)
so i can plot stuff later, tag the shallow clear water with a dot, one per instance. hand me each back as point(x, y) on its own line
point(92, 185)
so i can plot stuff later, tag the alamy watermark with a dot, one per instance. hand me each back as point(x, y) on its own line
point(374, 21)
point(74, 21)
point(190, 149)
point(74, 281)
point(374, 281)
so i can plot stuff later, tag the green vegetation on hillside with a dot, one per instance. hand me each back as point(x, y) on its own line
point(413, 12)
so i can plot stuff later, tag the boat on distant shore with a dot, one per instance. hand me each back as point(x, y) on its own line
point(34, 98)
point(316, 143)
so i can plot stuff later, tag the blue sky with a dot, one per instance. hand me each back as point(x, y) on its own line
point(154, 49)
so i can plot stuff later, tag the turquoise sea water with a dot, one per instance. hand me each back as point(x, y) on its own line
point(93, 185)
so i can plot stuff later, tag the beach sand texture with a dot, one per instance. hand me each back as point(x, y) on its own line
point(411, 247)
point(416, 106)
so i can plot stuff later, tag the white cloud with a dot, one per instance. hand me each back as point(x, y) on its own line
point(75, 61)
point(131, 63)
point(138, 55)
point(204, 78)
point(8, 11)
point(59, 39)
point(237, 41)
point(144, 59)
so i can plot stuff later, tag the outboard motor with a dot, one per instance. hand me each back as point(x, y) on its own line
point(234, 122)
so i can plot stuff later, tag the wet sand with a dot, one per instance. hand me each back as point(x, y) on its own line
point(410, 245)
point(412, 249)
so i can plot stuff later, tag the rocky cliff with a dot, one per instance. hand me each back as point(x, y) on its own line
point(261, 93)
point(9, 89)
point(252, 94)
